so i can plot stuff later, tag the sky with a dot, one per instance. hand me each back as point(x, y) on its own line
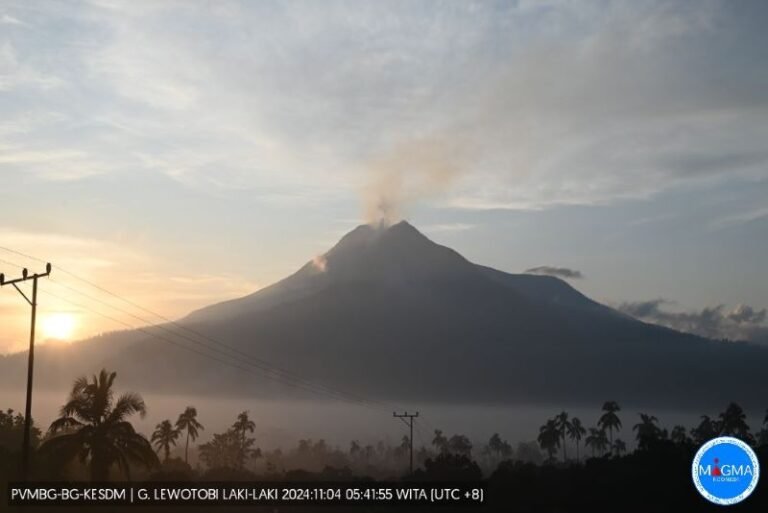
point(181, 153)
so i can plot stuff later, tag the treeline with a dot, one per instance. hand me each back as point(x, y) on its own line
point(93, 439)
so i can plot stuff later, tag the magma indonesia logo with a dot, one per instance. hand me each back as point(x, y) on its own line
point(725, 470)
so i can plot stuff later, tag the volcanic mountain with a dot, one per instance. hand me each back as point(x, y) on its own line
point(389, 314)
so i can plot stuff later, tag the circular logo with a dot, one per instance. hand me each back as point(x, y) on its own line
point(725, 470)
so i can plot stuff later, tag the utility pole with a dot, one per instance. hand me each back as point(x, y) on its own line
point(31, 360)
point(409, 423)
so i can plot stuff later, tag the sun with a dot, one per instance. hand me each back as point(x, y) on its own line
point(58, 325)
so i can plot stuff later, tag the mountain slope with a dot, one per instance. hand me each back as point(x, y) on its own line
point(389, 314)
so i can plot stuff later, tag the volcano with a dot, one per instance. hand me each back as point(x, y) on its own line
point(389, 314)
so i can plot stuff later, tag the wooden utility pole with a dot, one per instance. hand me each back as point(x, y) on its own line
point(31, 360)
point(409, 423)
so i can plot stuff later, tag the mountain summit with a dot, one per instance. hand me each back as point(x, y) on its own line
point(390, 314)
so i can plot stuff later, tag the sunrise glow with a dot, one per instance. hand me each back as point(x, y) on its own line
point(59, 326)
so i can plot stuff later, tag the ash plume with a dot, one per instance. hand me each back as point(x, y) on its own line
point(411, 172)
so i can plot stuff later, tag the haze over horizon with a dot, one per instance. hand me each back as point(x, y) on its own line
point(181, 155)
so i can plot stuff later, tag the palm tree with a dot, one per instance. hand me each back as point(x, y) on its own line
point(563, 425)
point(647, 431)
point(576, 431)
point(93, 427)
point(188, 422)
point(596, 440)
point(440, 442)
point(733, 422)
point(243, 425)
point(619, 447)
point(549, 438)
point(609, 419)
point(164, 437)
point(240, 428)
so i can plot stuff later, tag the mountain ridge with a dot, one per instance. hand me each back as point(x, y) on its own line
point(390, 314)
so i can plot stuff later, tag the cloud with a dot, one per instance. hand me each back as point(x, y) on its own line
point(560, 272)
point(740, 218)
point(743, 322)
point(6, 19)
point(559, 103)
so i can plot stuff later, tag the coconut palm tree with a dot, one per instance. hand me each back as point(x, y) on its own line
point(609, 420)
point(597, 440)
point(563, 425)
point(240, 428)
point(93, 428)
point(188, 422)
point(440, 442)
point(648, 431)
point(549, 438)
point(243, 425)
point(576, 431)
point(164, 437)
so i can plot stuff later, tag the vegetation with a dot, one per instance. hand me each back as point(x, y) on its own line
point(93, 437)
point(164, 437)
point(93, 428)
point(188, 422)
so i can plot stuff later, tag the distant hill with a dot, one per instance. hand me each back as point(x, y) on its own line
point(387, 313)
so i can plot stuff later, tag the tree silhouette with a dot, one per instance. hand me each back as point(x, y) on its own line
point(563, 425)
point(549, 438)
point(92, 427)
point(576, 431)
point(499, 448)
point(763, 435)
point(187, 421)
point(609, 420)
point(706, 430)
point(164, 437)
point(619, 447)
point(231, 448)
point(733, 422)
point(404, 447)
point(460, 444)
point(679, 436)
point(597, 440)
point(354, 448)
point(440, 442)
point(648, 431)
point(243, 425)
point(12, 430)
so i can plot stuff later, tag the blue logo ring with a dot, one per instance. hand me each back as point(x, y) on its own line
point(730, 482)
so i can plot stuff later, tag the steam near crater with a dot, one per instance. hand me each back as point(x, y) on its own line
point(413, 171)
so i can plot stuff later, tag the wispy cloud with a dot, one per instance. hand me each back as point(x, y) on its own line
point(742, 322)
point(560, 272)
point(241, 95)
point(740, 218)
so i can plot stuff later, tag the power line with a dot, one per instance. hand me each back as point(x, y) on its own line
point(144, 330)
point(260, 363)
point(409, 423)
point(256, 362)
point(30, 356)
